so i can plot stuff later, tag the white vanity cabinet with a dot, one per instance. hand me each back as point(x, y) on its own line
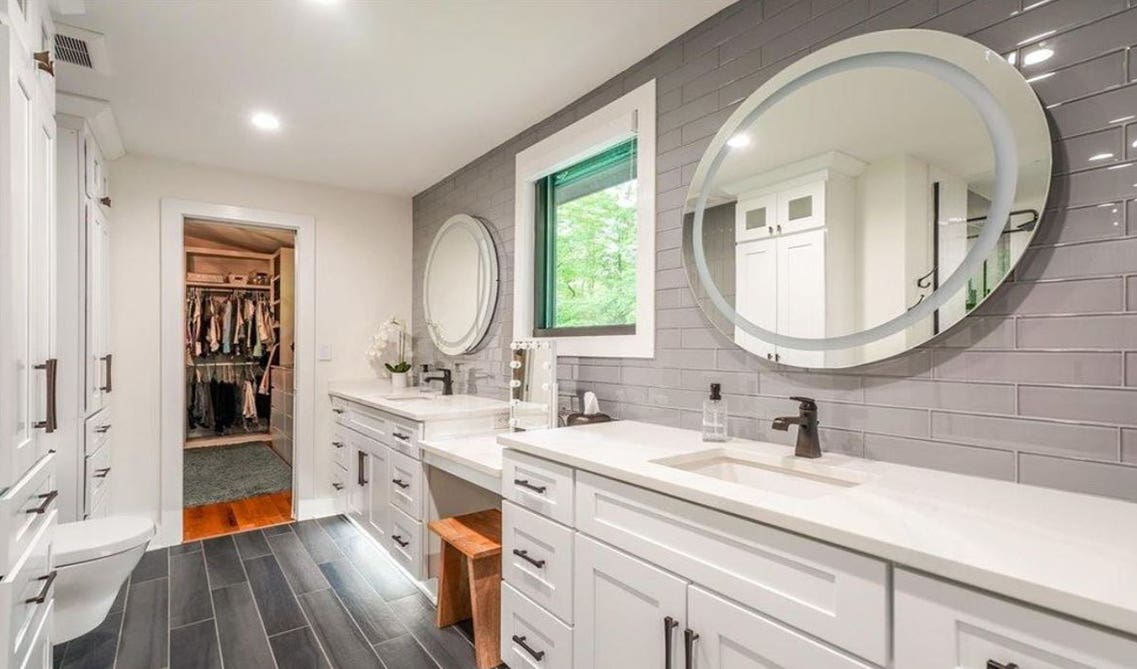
point(658, 581)
point(378, 478)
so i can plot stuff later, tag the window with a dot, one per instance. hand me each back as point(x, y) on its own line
point(584, 235)
point(586, 246)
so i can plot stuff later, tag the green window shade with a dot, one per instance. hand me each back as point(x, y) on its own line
point(586, 246)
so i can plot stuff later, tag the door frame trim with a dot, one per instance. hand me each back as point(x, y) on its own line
point(172, 351)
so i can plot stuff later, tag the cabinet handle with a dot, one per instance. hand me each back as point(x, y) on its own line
point(992, 664)
point(524, 555)
point(108, 359)
point(779, 232)
point(42, 596)
point(359, 477)
point(105, 201)
point(400, 435)
point(669, 624)
point(44, 61)
point(524, 483)
point(334, 410)
point(402, 484)
point(689, 637)
point(103, 429)
point(337, 486)
point(50, 422)
point(102, 473)
point(47, 498)
point(399, 540)
point(520, 641)
point(337, 444)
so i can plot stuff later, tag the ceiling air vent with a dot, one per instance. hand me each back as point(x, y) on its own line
point(82, 48)
point(72, 50)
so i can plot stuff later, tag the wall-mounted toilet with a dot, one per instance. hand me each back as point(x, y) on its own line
point(93, 558)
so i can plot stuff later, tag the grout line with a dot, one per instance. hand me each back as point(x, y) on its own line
point(212, 607)
point(256, 605)
point(295, 597)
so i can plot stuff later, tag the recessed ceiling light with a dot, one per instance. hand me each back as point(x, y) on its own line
point(1100, 156)
point(1037, 56)
point(738, 141)
point(265, 121)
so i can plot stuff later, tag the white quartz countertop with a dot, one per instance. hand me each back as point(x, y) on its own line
point(1072, 553)
point(481, 452)
point(414, 404)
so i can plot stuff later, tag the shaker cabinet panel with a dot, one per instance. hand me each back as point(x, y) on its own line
point(622, 610)
point(939, 625)
point(734, 637)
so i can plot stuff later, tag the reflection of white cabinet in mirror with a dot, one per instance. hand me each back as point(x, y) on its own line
point(794, 274)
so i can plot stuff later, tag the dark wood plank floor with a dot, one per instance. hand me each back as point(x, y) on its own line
point(307, 594)
point(239, 515)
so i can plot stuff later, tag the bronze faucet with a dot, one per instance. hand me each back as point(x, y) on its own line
point(808, 442)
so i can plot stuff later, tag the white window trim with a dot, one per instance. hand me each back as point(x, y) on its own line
point(631, 115)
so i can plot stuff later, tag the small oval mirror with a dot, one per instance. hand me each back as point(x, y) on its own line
point(867, 198)
point(460, 285)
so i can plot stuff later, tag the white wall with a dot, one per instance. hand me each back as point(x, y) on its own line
point(363, 276)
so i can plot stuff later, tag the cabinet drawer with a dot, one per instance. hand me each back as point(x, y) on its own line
point(732, 636)
point(404, 542)
point(945, 626)
point(339, 446)
point(366, 421)
point(97, 468)
point(25, 509)
point(530, 636)
point(339, 411)
point(98, 430)
point(836, 595)
point(404, 438)
point(543, 570)
point(39, 653)
point(538, 485)
point(339, 489)
point(25, 596)
point(404, 476)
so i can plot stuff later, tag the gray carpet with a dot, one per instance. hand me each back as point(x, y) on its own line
point(225, 473)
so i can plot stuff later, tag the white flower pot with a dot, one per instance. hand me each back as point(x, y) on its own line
point(398, 380)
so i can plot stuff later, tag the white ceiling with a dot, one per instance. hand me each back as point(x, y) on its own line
point(383, 96)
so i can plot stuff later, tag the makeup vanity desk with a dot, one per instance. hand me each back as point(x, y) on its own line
point(401, 458)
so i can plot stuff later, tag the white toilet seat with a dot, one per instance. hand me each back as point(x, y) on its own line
point(100, 537)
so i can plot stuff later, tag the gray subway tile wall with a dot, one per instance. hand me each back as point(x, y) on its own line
point(1040, 386)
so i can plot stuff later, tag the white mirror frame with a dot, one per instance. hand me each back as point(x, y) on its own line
point(912, 49)
point(487, 279)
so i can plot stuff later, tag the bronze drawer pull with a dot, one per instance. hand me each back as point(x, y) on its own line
point(47, 498)
point(42, 596)
point(108, 359)
point(401, 483)
point(50, 422)
point(102, 473)
point(399, 540)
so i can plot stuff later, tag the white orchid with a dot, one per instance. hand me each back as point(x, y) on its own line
point(390, 332)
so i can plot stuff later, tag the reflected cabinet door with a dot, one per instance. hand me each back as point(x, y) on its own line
point(756, 292)
point(801, 294)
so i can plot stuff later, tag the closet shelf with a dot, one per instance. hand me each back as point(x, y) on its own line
point(225, 286)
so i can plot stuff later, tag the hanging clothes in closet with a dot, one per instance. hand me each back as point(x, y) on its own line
point(229, 339)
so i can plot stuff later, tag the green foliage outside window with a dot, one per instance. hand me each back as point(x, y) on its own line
point(587, 243)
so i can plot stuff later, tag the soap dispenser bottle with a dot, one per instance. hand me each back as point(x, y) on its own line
point(714, 415)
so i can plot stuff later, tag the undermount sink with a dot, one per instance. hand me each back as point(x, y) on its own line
point(406, 397)
point(789, 476)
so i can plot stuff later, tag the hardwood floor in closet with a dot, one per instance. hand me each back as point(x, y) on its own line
point(211, 520)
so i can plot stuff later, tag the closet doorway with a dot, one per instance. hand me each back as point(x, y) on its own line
point(239, 323)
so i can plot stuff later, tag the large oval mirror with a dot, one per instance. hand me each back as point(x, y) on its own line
point(866, 198)
point(460, 285)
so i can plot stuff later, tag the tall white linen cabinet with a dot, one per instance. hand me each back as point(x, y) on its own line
point(30, 362)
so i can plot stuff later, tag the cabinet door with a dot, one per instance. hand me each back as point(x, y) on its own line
point(21, 344)
point(378, 508)
point(43, 267)
point(93, 178)
point(95, 309)
point(734, 637)
point(756, 291)
point(623, 610)
point(801, 293)
point(755, 217)
point(801, 207)
point(360, 469)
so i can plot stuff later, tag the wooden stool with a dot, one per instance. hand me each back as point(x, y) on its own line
point(472, 544)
